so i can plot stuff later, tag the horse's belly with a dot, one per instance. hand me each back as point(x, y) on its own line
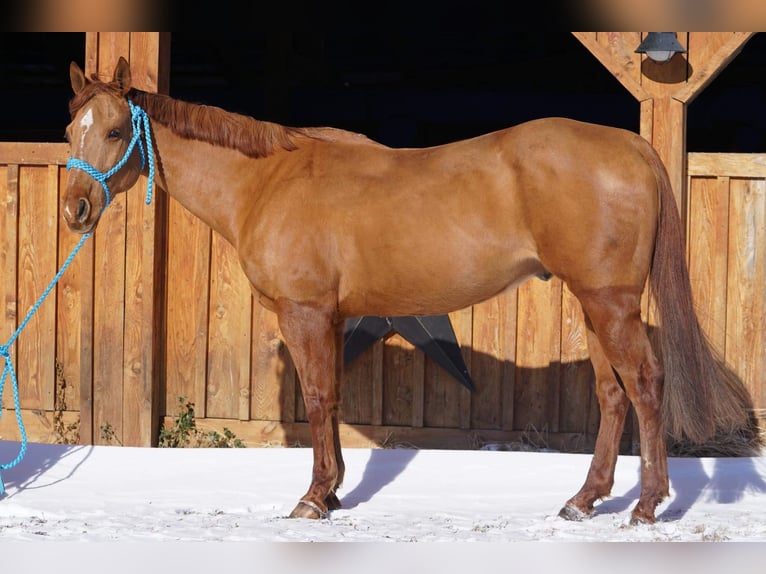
point(434, 289)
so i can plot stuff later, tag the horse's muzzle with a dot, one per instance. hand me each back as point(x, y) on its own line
point(78, 214)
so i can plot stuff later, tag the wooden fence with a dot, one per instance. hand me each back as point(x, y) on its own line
point(215, 347)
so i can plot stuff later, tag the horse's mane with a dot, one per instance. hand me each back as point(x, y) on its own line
point(213, 125)
point(210, 124)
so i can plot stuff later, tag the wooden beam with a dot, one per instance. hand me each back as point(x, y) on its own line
point(278, 434)
point(32, 153)
point(727, 164)
point(620, 67)
point(706, 73)
point(40, 425)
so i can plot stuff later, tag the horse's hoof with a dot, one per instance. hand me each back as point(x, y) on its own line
point(574, 514)
point(637, 519)
point(307, 509)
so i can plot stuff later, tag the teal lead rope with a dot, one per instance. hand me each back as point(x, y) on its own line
point(6, 354)
point(140, 121)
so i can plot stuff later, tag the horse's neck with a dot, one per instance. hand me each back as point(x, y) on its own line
point(199, 176)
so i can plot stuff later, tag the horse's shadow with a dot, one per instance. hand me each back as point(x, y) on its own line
point(384, 465)
point(32, 471)
point(730, 479)
point(689, 478)
point(381, 469)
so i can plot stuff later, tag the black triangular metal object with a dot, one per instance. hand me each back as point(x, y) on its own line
point(432, 334)
point(360, 333)
point(435, 336)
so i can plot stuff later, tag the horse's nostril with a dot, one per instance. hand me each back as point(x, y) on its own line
point(83, 209)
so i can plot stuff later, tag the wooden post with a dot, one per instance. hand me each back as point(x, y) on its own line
point(128, 288)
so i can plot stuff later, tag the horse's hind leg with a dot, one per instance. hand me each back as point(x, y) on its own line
point(332, 498)
point(613, 403)
point(312, 336)
point(615, 316)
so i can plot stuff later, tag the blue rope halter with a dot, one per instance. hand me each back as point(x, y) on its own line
point(140, 122)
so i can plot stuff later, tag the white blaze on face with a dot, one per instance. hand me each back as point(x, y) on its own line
point(85, 123)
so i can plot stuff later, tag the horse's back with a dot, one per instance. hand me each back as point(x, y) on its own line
point(427, 231)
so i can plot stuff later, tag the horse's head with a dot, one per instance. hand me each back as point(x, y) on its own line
point(101, 137)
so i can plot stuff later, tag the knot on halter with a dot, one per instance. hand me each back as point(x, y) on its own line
point(140, 124)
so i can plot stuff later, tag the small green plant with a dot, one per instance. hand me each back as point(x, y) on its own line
point(227, 440)
point(184, 432)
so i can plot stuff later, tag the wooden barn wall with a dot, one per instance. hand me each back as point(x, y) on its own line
point(46, 355)
point(726, 231)
point(526, 349)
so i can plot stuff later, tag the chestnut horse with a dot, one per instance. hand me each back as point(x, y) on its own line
point(330, 225)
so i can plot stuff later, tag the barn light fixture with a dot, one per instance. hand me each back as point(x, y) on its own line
point(660, 46)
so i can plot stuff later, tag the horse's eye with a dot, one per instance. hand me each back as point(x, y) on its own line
point(114, 134)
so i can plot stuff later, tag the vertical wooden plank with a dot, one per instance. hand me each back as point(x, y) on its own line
point(376, 384)
point(108, 319)
point(401, 368)
point(746, 305)
point(538, 355)
point(509, 386)
point(442, 394)
point(73, 313)
point(356, 399)
point(646, 122)
point(419, 361)
point(9, 227)
point(38, 203)
point(87, 287)
point(578, 400)
point(85, 330)
point(669, 141)
point(109, 283)
point(493, 352)
point(230, 336)
point(273, 374)
point(137, 365)
point(144, 278)
point(188, 275)
point(362, 388)
point(708, 254)
point(91, 53)
point(463, 326)
point(446, 402)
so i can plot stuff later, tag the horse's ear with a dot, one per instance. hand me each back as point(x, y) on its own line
point(122, 75)
point(76, 77)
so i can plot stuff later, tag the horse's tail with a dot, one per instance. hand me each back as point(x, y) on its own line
point(706, 407)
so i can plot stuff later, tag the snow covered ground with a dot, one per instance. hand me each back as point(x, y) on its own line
point(178, 498)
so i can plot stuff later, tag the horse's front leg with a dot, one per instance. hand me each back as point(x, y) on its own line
point(311, 334)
